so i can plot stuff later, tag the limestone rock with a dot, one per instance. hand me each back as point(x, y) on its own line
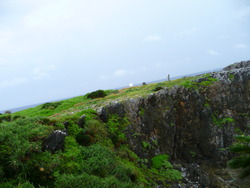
point(81, 121)
point(55, 141)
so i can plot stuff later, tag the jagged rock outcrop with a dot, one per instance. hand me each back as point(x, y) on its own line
point(193, 126)
point(81, 121)
point(55, 141)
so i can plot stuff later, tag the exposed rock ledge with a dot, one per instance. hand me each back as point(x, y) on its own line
point(194, 127)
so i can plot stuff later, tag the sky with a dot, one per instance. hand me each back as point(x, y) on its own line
point(55, 49)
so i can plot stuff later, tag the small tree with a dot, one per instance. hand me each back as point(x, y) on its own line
point(242, 161)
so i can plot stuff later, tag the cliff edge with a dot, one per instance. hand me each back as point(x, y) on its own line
point(194, 123)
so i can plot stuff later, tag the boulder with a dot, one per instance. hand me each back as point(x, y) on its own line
point(81, 121)
point(55, 141)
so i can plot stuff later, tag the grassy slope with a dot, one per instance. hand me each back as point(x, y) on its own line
point(76, 104)
point(89, 151)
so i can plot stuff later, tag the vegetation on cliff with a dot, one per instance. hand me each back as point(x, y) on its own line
point(242, 161)
point(96, 152)
point(95, 155)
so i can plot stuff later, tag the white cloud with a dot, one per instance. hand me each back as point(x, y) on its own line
point(244, 12)
point(241, 46)
point(40, 73)
point(152, 38)
point(12, 82)
point(212, 52)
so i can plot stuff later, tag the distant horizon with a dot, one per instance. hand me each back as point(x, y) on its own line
point(13, 110)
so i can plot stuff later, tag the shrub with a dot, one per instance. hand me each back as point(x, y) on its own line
point(241, 161)
point(159, 161)
point(158, 88)
point(162, 169)
point(5, 117)
point(97, 94)
point(50, 105)
point(83, 139)
point(116, 126)
point(18, 141)
point(89, 181)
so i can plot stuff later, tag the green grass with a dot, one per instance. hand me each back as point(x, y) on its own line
point(77, 104)
point(95, 153)
point(207, 80)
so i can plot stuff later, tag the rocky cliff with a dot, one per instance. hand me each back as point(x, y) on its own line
point(193, 123)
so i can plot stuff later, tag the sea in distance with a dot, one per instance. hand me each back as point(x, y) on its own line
point(173, 78)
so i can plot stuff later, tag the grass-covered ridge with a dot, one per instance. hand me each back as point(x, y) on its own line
point(95, 153)
point(77, 104)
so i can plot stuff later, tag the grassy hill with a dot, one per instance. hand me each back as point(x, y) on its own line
point(95, 153)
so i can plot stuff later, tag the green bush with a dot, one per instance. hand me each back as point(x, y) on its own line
point(162, 169)
point(242, 161)
point(88, 181)
point(19, 140)
point(116, 126)
point(83, 139)
point(97, 94)
point(159, 161)
point(5, 117)
point(201, 81)
point(50, 105)
point(89, 158)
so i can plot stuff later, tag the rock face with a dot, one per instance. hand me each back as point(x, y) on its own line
point(193, 126)
point(81, 121)
point(55, 141)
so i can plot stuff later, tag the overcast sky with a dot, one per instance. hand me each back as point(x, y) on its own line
point(53, 49)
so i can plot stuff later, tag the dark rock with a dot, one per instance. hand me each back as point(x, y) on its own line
point(144, 83)
point(66, 124)
point(55, 141)
point(81, 121)
point(239, 65)
point(103, 114)
point(114, 108)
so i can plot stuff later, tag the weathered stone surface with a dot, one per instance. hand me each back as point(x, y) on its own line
point(192, 126)
point(55, 141)
point(114, 108)
point(81, 121)
point(239, 65)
